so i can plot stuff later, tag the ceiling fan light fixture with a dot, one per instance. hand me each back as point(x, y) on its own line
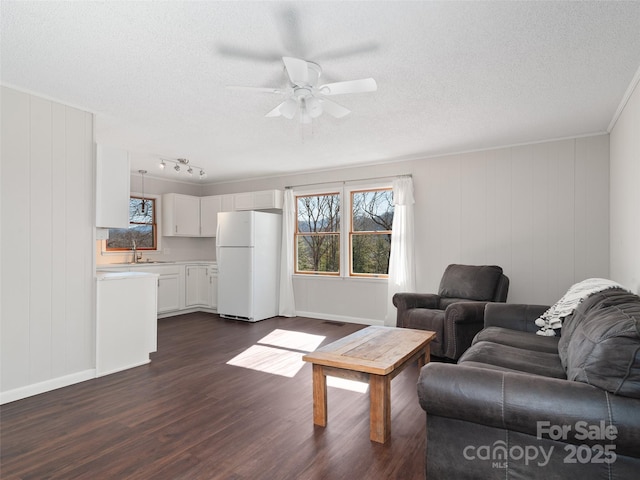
point(313, 107)
point(289, 107)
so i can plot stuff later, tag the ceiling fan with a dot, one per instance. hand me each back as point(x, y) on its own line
point(304, 97)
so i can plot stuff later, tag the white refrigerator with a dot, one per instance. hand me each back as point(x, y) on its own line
point(248, 256)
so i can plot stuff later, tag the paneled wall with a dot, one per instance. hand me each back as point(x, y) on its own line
point(47, 206)
point(540, 211)
point(625, 195)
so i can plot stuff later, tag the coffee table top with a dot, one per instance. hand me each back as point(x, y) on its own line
point(377, 350)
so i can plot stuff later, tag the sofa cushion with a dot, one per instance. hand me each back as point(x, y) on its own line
point(473, 282)
point(513, 358)
point(604, 346)
point(518, 339)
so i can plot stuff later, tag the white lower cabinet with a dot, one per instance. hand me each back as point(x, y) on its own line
point(180, 287)
point(201, 283)
point(169, 287)
point(213, 287)
point(197, 283)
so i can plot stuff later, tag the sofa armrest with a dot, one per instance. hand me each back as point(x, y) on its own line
point(462, 321)
point(406, 300)
point(514, 316)
point(530, 404)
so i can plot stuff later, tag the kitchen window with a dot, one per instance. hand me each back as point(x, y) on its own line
point(143, 228)
point(321, 249)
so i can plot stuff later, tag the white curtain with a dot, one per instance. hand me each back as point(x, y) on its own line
point(287, 306)
point(402, 273)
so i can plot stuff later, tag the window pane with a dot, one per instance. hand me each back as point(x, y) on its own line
point(124, 237)
point(370, 253)
point(136, 214)
point(372, 210)
point(318, 253)
point(319, 213)
point(141, 228)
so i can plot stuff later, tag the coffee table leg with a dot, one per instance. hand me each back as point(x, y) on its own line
point(319, 396)
point(380, 408)
point(426, 358)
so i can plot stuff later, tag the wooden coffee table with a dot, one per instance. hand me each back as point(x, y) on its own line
point(374, 355)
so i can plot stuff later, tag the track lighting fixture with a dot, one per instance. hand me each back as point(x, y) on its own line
point(183, 162)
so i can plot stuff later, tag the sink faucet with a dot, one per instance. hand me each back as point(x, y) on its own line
point(135, 252)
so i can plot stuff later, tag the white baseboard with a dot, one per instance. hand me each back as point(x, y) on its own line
point(46, 386)
point(341, 318)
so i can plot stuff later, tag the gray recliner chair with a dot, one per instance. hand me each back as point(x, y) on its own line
point(456, 312)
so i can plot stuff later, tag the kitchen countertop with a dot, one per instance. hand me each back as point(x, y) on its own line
point(110, 266)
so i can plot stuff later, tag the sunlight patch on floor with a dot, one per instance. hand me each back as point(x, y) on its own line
point(265, 359)
point(304, 342)
point(278, 353)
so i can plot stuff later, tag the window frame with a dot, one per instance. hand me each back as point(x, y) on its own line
point(297, 234)
point(157, 200)
point(345, 195)
point(352, 232)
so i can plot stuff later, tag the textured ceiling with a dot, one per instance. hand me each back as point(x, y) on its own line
point(452, 76)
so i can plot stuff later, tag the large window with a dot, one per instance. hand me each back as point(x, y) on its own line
point(142, 228)
point(317, 234)
point(370, 234)
point(320, 247)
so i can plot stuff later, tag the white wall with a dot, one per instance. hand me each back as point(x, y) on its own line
point(625, 195)
point(47, 207)
point(540, 211)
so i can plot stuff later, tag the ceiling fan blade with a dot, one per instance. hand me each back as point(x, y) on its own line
point(334, 109)
point(350, 86)
point(255, 89)
point(297, 70)
point(276, 112)
point(231, 51)
point(347, 51)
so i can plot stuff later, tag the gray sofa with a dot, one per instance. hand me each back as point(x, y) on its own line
point(520, 405)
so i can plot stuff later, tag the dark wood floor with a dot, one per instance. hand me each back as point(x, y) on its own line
point(190, 415)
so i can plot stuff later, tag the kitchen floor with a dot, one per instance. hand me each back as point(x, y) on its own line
point(221, 399)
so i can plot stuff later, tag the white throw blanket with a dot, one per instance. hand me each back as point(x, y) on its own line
point(552, 318)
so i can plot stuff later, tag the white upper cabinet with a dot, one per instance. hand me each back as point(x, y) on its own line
point(209, 208)
point(180, 215)
point(264, 200)
point(189, 216)
point(113, 178)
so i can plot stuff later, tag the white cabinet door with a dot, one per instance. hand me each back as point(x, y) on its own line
point(180, 215)
point(168, 292)
point(243, 201)
point(263, 200)
point(113, 178)
point(213, 288)
point(209, 208)
point(197, 285)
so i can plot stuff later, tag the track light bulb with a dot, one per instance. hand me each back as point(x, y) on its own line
point(162, 165)
point(177, 168)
